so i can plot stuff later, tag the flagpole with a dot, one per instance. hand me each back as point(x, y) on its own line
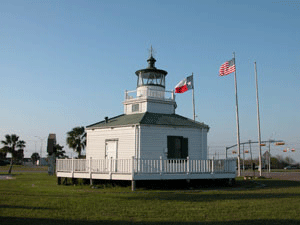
point(258, 122)
point(237, 121)
point(194, 115)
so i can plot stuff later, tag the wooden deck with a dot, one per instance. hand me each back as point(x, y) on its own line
point(145, 169)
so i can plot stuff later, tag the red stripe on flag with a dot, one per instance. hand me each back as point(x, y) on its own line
point(181, 89)
point(225, 69)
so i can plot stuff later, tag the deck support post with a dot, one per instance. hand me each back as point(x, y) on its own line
point(133, 185)
point(132, 175)
point(132, 168)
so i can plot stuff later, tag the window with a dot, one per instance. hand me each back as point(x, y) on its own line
point(177, 147)
point(135, 108)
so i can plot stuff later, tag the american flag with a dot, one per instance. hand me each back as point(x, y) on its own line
point(227, 68)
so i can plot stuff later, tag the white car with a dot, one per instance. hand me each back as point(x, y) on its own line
point(290, 167)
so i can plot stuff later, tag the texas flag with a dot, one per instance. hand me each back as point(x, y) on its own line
point(185, 85)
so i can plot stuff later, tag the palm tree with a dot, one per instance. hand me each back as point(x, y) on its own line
point(76, 139)
point(59, 152)
point(12, 142)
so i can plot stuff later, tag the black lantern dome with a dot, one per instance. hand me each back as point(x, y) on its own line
point(151, 76)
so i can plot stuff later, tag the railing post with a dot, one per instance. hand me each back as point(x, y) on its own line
point(90, 171)
point(111, 167)
point(161, 162)
point(212, 165)
point(72, 167)
point(188, 165)
point(233, 165)
point(227, 166)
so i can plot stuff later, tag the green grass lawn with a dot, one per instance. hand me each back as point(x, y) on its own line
point(23, 168)
point(35, 198)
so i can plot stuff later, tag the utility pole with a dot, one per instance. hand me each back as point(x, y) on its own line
point(243, 158)
point(258, 122)
point(251, 158)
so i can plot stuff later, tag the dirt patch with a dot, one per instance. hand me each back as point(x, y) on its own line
point(6, 177)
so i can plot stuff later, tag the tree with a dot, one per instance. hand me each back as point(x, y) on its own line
point(35, 157)
point(12, 142)
point(2, 154)
point(275, 164)
point(59, 152)
point(76, 139)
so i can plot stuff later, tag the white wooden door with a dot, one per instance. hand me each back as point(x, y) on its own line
point(111, 154)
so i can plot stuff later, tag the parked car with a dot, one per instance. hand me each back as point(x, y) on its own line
point(290, 167)
point(4, 162)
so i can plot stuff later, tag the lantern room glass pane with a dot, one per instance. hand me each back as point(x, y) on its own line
point(163, 81)
point(145, 80)
point(140, 80)
point(151, 78)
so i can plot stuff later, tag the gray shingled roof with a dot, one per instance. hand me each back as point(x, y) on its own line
point(148, 118)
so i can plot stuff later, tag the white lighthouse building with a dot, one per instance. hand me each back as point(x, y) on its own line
point(149, 127)
point(149, 141)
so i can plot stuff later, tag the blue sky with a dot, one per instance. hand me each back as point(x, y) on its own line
point(67, 63)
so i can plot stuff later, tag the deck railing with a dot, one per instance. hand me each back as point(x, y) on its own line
point(146, 166)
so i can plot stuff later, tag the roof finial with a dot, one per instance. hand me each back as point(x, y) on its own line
point(151, 52)
point(151, 61)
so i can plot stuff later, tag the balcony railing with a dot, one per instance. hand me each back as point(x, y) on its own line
point(146, 166)
point(165, 95)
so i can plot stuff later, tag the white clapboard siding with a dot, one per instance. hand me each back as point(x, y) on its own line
point(154, 141)
point(96, 142)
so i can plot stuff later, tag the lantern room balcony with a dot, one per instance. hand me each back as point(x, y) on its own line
point(149, 94)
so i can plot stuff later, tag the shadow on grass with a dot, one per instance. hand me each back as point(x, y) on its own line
point(216, 184)
point(198, 197)
point(21, 207)
point(240, 191)
point(33, 221)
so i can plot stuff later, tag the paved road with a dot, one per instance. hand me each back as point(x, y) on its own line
point(295, 176)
